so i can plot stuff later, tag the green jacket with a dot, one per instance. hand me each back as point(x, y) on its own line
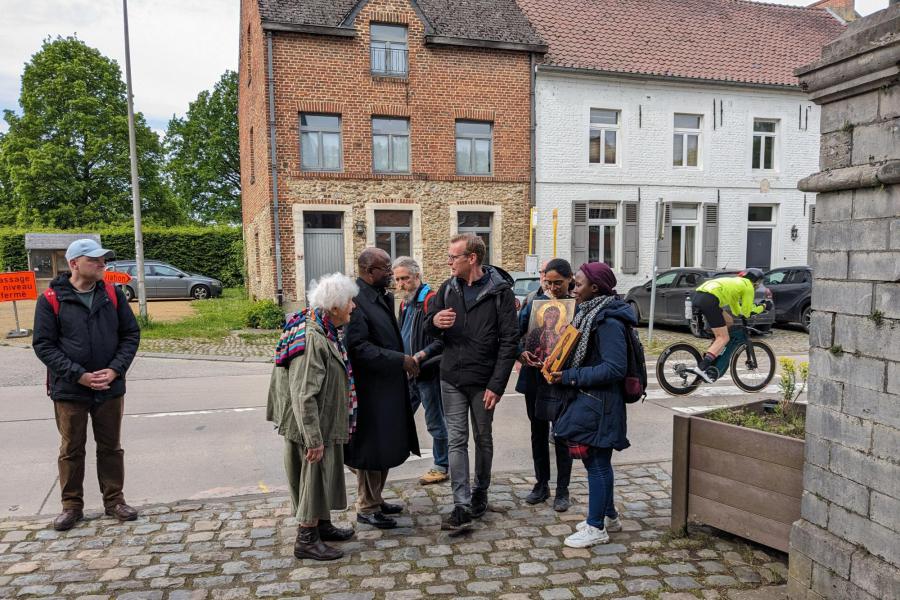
point(734, 292)
point(308, 401)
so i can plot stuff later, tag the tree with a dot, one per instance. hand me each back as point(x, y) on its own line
point(204, 158)
point(64, 161)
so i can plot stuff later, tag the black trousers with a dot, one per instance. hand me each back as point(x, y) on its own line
point(540, 450)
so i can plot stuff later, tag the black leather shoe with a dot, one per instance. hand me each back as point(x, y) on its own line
point(309, 545)
point(376, 520)
point(329, 533)
point(391, 509)
point(67, 519)
point(122, 512)
point(479, 503)
point(540, 493)
point(561, 502)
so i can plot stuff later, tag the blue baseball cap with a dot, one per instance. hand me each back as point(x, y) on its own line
point(88, 247)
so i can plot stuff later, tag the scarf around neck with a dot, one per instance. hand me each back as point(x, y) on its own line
point(292, 344)
point(583, 321)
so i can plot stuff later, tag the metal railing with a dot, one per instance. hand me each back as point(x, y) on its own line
point(389, 62)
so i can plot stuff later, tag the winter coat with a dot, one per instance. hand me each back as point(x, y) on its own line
point(596, 416)
point(482, 346)
point(308, 401)
point(385, 430)
point(429, 367)
point(82, 340)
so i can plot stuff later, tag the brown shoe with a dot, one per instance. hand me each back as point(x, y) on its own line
point(122, 512)
point(310, 545)
point(67, 519)
point(433, 476)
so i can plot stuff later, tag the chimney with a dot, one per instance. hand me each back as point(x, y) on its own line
point(845, 9)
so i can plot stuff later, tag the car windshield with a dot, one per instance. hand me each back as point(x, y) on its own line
point(776, 277)
point(523, 287)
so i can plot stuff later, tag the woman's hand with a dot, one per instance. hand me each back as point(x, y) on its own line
point(556, 377)
point(314, 455)
point(529, 359)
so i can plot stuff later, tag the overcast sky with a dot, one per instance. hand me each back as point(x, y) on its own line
point(178, 47)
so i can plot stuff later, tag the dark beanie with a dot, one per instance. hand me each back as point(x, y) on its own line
point(600, 275)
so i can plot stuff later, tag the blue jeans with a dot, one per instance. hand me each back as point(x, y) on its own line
point(600, 486)
point(429, 394)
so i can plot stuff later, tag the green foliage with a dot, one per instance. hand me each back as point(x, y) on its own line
point(790, 422)
point(64, 161)
point(791, 372)
point(877, 317)
point(836, 350)
point(215, 319)
point(213, 251)
point(204, 158)
point(264, 314)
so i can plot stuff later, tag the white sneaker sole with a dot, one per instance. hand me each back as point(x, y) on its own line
point(610, 528)
point(586, 543)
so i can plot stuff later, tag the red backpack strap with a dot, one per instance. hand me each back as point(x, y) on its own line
point(111, 292)
point(50, 295)
point(428, 297)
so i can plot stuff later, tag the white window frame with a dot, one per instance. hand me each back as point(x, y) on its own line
point(478, 230)
point(496, 225)
point(604, 223)
point(763, 135)
point(603, 128)
point(771, 224)
point(685, 132)
point(683, 223)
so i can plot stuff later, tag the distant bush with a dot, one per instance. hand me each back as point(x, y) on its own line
point(264, 314)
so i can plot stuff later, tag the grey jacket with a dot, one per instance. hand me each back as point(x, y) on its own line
point(308, 400)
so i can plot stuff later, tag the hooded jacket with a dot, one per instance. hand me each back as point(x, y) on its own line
point(482, 346)
point(421, 341)
point(79, 341)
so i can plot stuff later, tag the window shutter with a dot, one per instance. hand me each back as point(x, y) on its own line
point(664, 246)
point(630, 239)
point(579, 233)
point(710, 236)
point(810, 236)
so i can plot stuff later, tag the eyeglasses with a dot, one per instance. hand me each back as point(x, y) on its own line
point(453, 257)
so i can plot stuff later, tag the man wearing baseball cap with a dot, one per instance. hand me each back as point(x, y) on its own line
point(87, 336)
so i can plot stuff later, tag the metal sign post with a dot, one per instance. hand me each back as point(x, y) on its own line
point(660, 236)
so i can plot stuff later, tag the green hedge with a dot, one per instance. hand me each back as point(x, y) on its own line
point(213, 251)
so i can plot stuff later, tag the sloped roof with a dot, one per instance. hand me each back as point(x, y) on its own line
point(721, 40)
point(500, 21)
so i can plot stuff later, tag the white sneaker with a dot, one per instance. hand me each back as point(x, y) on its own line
point(587, 537)
point(700, 373)
point(612, 525)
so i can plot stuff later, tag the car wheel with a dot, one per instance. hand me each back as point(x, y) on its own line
point(697, 328)
point(637, 311)
point(200, 292)
point(129, 293)
point(806, 317)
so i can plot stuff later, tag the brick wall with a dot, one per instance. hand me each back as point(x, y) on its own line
point(846, 544)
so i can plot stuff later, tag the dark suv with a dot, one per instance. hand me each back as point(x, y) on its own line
point(162, 280)
point(791, 289)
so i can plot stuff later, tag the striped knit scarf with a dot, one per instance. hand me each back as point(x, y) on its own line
point(293, 343)
point(583, 321)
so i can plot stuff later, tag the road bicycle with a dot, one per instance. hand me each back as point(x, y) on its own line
point(752, 363)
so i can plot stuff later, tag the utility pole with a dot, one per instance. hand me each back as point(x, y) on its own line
point(135, 182)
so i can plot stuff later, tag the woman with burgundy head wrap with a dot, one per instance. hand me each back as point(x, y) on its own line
point(594, 422)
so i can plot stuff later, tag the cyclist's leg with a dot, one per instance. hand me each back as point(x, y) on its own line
point(717, 319)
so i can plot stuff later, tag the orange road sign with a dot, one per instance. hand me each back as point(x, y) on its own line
point(117, 277)
point(18, 285)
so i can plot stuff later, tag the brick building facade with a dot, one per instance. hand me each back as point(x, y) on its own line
point(397, 135)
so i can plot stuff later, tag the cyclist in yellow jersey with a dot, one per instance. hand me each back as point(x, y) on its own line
point(734, 293)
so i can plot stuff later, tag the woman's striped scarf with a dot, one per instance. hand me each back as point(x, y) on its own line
point(583, 321)
point(293, 343)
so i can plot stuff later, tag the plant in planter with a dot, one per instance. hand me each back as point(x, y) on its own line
point(741, 469)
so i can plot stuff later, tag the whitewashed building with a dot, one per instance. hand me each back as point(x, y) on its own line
point(694, 103)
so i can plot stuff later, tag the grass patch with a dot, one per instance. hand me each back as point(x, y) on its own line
point(790, 422)
point(214, 318)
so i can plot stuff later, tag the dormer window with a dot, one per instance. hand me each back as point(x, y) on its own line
point(389, 50)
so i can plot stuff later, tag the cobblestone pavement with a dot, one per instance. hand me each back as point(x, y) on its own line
point(242, 548)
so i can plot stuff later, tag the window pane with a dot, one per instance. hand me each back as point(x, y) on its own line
point(609, 246)
point(396, 58)
point(313, 121)
point(684, 212)
point(678, 150)
point(609, 156)
point(595, 146)
point(322, 220)
point(608, 212)
point(687, 121)
point(692, 150)
point(594, 243)
point(402, 246)
point(331, 150)
point(388, 33)
point(769, 152)
point(482, 156)
point(757, 142)
point(382, 125)
point(463, 155)
point(393, 218)
point(400, 149)
point(666, 279)
point(383, 241)
point(689, 241)
point(309, 150)
point(380, 152)
point(473, 128)
point(764, 126)
point(379, 58)
point(42, 263)
point(759, 213)
point(776, 277)
point(604, 117)
point(473, 219)
point(676, 247)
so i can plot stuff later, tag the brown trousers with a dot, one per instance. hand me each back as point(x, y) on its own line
point(106, 421)
point(369, 485)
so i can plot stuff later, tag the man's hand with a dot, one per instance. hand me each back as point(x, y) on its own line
point(490, 400)
point(411, 366)
point(104, 377)
point(556, 377)
point(314, 455)
point(445, 318)
point(528, 358)
point(86, 380)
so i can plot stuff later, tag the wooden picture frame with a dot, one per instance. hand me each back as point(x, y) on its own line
point(561, 352)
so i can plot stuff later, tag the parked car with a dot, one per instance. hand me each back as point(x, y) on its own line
point(674, 289)
point(162, 280)
point(791, 290)
point(524, 284)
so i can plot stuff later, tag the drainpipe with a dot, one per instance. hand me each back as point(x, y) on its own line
point(533, 169)
point(279, 284)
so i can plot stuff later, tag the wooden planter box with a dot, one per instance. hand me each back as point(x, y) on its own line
point(739, 480)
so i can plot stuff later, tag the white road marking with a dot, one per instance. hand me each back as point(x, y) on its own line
point(191, 413)
point(710, 391)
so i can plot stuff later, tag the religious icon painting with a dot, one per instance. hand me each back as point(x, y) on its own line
point(545, 327)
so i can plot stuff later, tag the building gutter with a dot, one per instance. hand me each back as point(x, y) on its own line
point(553, 69)
point(314, 29)
point(443, 40)
point(533, 131)
point(276, 225)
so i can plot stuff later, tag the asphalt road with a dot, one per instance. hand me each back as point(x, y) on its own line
point(197, 429)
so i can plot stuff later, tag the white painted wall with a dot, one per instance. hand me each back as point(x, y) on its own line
point(564, 173)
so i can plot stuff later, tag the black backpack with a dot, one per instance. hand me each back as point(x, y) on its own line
point(635, 383)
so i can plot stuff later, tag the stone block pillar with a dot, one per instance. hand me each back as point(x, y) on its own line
point(847, 543)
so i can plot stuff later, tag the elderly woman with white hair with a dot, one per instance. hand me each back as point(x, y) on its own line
point(312, 402)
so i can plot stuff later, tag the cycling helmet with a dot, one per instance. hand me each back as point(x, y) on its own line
point(754, 275)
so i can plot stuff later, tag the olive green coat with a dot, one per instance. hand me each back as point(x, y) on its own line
point(308, 400)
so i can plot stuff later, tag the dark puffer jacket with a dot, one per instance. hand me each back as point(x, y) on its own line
point(81, 341)
point(482, 346)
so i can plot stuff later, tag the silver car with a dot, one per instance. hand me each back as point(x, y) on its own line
point(162, 280)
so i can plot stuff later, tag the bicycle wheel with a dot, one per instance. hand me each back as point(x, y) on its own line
point(672, 369)
point(750, 377)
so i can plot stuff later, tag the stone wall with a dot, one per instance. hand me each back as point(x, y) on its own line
point(847, 543)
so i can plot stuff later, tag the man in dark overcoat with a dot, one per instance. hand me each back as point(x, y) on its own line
point(385, 432)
